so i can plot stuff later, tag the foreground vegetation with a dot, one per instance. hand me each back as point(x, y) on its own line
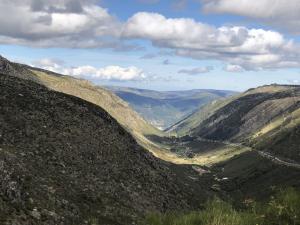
point(282, 209)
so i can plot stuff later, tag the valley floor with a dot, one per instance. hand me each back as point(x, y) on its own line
point(237, 171)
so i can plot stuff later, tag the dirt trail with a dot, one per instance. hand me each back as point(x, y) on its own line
point(267, 155)
point(278, 160)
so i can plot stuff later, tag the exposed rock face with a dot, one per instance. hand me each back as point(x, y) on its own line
point(16, 70)
point(66, 161)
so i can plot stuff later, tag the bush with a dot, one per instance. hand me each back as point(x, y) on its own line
point(216, 212)
point(283, 209)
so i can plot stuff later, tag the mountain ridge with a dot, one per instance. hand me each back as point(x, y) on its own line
point(84, 89)
point(164, 108)
point(265, 118)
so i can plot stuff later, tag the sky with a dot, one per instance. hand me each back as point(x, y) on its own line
point(157, 44)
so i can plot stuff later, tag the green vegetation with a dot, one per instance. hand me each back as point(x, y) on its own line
point(280, 133)
point(282, 209)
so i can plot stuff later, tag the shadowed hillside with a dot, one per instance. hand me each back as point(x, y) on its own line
point(83, 89)
point(249, 175)
point(66, 161)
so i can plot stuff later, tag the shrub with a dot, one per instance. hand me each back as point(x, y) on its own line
point(283, 209)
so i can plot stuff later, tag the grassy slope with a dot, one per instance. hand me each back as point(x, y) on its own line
point(193, 121)
point(266, 118)
point(184, 126)
point(115, 106)
point(280, 136)
point(243, 116)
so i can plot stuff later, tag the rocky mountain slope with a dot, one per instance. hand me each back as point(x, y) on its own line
point(164, 108)
point(184, 126)
point(266, 118)
point(64, 160)
point(83, 89)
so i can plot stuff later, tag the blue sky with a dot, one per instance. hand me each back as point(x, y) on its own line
point(161, 45)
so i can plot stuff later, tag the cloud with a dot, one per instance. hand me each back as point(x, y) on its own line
point(149, 56)
point(84, 24)
point(71, 6)
point(280, 13)
point(49, 62)
point(166, 62)
point(233, 68)
point(117, 73)
point(179, 5)
point(57, 23)
point(160, 53)
point(148, 1)
point(251, 49)
point(107, 73)
point(54, 65)
point(196, 71)
point(294, 82)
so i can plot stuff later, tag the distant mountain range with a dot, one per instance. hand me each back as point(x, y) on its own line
point(165, 108)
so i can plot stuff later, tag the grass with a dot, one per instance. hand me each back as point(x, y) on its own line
point(186, 125)
point(219, 155)
point(193, 121)
point(206, 159)
point(282, 209)
point(279, 124)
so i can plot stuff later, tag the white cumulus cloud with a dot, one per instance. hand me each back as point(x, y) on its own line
point(85, 24)
point(195, 71)
point(108, 73)
point(117, 73)
point(251, 49)
point(280, 13)
point(233, 68)
point(62, 23)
